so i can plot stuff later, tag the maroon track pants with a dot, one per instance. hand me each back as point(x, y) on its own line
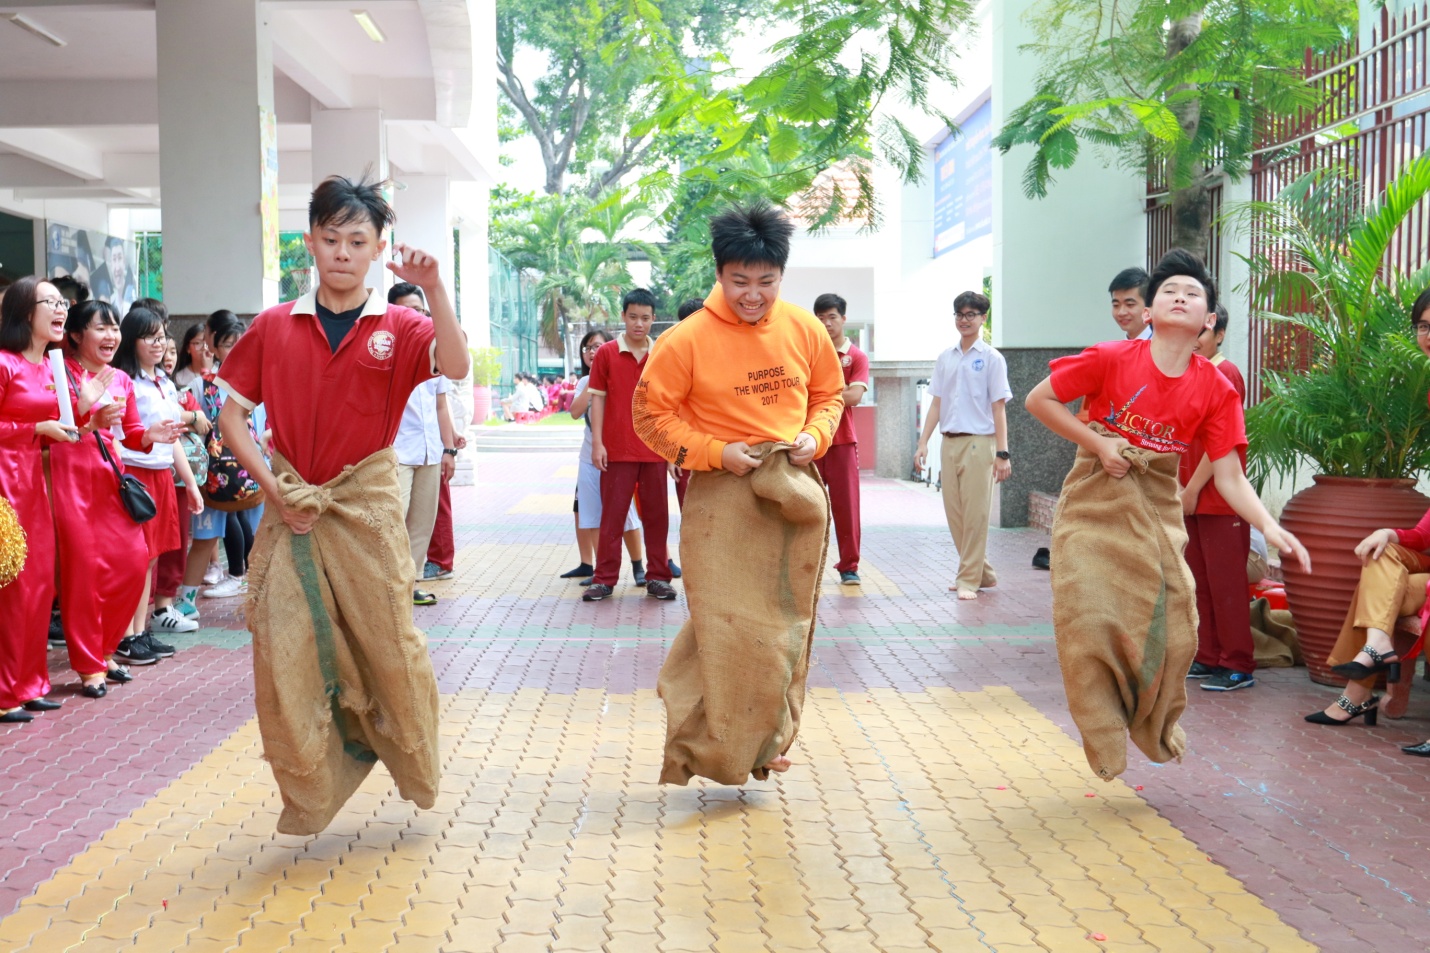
point(1216, 553)
point(840, 469)
point(619, 484)
point(443, 549)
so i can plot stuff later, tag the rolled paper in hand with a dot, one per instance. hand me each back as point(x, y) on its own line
point(62, 386)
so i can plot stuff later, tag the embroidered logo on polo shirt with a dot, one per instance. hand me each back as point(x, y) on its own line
point(978, 364)
point(845, 360)
point(380, 345)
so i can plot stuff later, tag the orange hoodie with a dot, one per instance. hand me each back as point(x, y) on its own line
point(715, 380)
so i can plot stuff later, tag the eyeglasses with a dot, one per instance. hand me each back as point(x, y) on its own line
point(590, 347)
point(160, 338)
point(969, 315)
point(1422, 329)
point(55, 304)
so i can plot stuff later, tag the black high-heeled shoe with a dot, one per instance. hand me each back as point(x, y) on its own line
point(1370, 709)
point(1387, 662)
point(16, 717)
point(95, 690)
point(42, 704)
point(1422, 750)
point(118, 675)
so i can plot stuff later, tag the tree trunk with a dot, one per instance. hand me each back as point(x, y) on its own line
point(1190, 201)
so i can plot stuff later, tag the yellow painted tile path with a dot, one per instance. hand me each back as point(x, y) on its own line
point(951, 821)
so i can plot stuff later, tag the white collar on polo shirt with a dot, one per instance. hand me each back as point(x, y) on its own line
point(376, 303)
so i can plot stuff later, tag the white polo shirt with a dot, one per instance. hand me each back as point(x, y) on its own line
point(967, 383)
point(419, 439)
point(156, 399)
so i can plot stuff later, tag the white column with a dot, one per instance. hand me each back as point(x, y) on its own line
point(215, 68)
point(352, 143)
point(424, 219)
point(476, 266)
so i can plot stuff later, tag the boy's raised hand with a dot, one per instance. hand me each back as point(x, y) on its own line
point(1110, 453)
point(414, 266)
point(1286, 543)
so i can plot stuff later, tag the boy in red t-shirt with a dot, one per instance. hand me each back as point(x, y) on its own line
point(627, 465)
point(1121, 640)
point(840, 466)
point(1218, 542)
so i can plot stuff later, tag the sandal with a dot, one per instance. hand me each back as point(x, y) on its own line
point(1370, 708)
point(1387, 662)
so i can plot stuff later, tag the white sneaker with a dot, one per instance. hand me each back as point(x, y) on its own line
point(169, 619)
point(213, 575)
point(229, 587)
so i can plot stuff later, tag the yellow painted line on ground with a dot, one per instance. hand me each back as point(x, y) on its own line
point(872, 581)
point(542, 504)
point(565, 473)
point(890, 833)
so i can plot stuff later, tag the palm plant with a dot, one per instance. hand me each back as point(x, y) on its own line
point(1358, 405)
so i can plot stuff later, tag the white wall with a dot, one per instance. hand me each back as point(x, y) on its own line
point(1053, 257)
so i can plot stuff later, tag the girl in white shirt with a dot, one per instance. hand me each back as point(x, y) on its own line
point(141, 349)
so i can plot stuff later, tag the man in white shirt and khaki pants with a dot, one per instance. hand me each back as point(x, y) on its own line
point(969, 391)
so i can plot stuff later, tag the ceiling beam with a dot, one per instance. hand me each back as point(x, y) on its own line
point(57, 149)
point(21, 172)
point(62, 103)
point(312, 67)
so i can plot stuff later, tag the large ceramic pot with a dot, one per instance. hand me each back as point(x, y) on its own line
point(481, 403)
point(1329, 518)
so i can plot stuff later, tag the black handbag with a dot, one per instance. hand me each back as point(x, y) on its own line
point(132, 493)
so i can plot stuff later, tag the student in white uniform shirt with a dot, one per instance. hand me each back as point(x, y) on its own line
point(426, 450)
point(969, 390)
point(1129, 303)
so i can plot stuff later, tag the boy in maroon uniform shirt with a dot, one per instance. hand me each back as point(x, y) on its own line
point(840, 466)
point(1217, 543)
point(342, 676)
point(627, 465)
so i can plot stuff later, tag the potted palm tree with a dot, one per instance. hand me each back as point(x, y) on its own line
point(486, 371)
point(1352, 404)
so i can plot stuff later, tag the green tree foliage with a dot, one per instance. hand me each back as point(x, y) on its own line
point(580, 248)
point(1357, 407)
point(1172, 85)
point(600, 64)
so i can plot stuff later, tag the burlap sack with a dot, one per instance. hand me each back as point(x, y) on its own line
point(1273, 636)
point(753, 549)
point(1124, 607)
point(342, 675)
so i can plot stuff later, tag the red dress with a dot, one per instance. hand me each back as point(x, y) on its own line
point(103, 554)
point(27, 397)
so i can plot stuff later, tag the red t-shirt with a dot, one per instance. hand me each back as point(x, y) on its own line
point(614, 374)
point(855, 364)
point(1210, 502)
point(330, 410)
point(1127, 393)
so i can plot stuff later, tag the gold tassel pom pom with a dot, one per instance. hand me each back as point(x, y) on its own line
point(12, 544)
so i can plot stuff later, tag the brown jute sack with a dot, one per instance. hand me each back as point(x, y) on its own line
point(1124, 607)
point(342, 675)
point(753, 549)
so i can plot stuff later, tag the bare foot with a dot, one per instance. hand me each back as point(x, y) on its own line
point(967, 595)
point(779, 763)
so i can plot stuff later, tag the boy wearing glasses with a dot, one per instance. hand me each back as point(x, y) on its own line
point(969, 392)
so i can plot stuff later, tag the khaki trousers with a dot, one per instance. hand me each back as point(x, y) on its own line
point(967, 478)
point(420, 488)
point(1390, 587)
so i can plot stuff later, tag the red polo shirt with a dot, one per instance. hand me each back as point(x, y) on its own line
point(614, 374)
point(856, 371)
point(330, 410)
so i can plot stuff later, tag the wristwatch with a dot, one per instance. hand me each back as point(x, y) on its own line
point(1002, 455)
point(449, 451)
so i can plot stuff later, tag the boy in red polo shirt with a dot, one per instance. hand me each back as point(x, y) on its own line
point(840, 466)
point(627, 465)
point(1122, 611)
point(330, 604)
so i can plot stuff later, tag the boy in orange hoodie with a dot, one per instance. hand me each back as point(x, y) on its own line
point(729, 388)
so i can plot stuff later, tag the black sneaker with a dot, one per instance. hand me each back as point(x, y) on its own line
point(1228, 681)
point(1042, 559)
point(638, 570)
point(160, 649)
point(1198, 670)
point(658, 589)
point(596, 593)
point(57, 632)
point(132, 651)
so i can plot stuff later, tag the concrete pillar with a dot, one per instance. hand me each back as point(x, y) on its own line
point(895, 414)
point(424, 219)
point(215, 66)
point(352, 143)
